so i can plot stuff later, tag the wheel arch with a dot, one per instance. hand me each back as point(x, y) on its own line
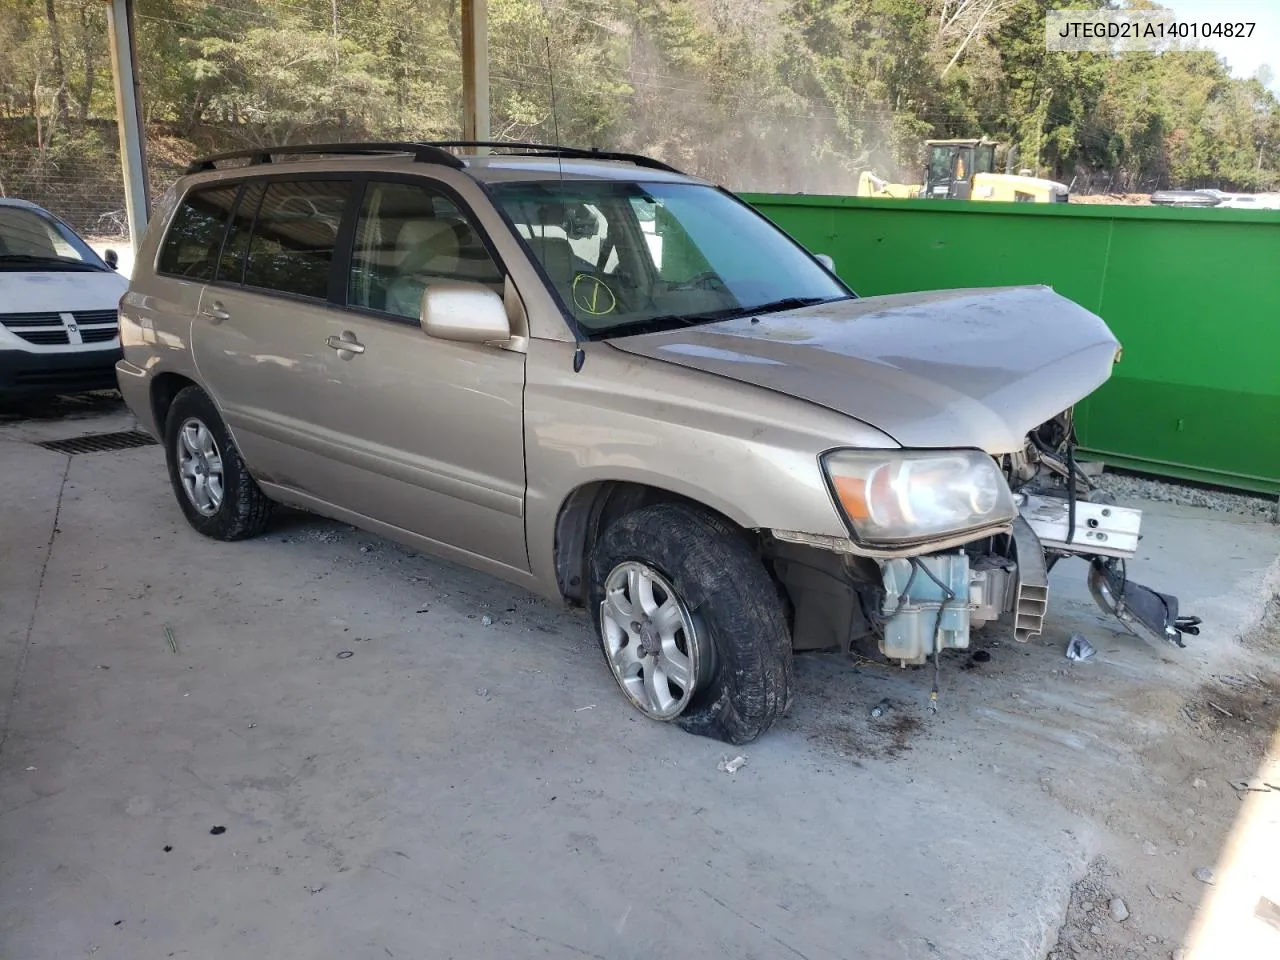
point(164, 388)
point(591, 507)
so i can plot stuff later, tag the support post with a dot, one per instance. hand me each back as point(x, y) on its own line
point(475, 70)
point(133, 143)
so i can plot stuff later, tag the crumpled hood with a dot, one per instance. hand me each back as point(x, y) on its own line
point(955, 368)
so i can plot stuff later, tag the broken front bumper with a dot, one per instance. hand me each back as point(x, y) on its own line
point(932, 601)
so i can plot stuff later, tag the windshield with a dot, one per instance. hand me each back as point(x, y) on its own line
point(940, 164)
point(31, 241)
point(628, 258)
point(984, 160)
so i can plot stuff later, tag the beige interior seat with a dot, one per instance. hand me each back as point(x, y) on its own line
point(425, 248)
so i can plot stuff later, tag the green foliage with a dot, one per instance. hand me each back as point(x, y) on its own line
point(796, 95)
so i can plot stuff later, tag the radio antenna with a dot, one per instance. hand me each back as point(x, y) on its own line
point(555, 119)
point(579, 357)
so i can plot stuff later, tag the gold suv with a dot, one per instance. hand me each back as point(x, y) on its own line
point(615, 384)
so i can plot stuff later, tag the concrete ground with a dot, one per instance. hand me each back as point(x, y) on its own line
point(412, 760)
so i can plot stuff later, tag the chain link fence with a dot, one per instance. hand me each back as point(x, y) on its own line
point(78, 179)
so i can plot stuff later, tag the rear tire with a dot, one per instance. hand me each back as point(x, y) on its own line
point(214, 489)
point(738, 637)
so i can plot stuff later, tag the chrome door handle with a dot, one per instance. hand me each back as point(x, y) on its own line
point(342, 344)
point(215, 311)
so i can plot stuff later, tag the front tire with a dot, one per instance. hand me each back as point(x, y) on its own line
point(213, 487)
point(690, 622)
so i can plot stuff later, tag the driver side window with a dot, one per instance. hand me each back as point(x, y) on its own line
point(409, 236)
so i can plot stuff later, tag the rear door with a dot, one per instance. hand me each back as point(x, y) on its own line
point(259, 333)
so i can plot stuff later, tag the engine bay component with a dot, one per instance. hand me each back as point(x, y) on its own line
point(1143, 611)
point(926, 603)
point(991, 585)
point(1100, 529)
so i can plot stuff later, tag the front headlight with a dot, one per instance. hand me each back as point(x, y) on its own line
point(907, 495)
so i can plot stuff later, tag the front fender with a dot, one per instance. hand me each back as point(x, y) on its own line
point(749, 453)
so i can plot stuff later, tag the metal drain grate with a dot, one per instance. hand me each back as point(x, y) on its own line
point(99, 442)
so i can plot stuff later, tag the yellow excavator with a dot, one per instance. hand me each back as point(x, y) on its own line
point(965, 170)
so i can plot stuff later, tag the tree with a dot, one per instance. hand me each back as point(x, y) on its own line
point(59, 68)
point(794, 95)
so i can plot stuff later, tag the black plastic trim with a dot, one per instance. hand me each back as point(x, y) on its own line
point(421, 153)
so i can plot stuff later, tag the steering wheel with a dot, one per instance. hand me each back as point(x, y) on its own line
point(708, 280)
point(593, 296)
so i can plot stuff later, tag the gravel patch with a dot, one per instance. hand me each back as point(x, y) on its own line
point(1125, 486)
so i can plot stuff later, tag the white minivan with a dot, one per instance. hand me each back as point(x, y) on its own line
point(59, 327)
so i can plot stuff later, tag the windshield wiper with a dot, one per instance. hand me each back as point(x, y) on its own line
point(672, 320)
point(789, 303)
point(668, 321)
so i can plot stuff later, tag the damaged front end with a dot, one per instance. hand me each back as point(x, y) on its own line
point(1070, 515)
point(916, 600)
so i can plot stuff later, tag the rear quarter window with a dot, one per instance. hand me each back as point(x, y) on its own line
point(194, 240)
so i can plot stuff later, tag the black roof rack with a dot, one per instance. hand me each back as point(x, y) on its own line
point(421, 152)
point(555, 150)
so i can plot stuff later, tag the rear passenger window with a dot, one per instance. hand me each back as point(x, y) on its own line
point(195, 234)
point(292, 246)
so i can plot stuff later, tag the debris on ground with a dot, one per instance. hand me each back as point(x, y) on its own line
point(1252, 786)
point(346, 654)
point(881, 708)
point(1078, 648)
point(170, 639)
point(482, 691)
point(1095, 926)
point(1205, 875)
point(486, 621)
point(168, 848)
point(217, 831)
point(589, 706)
point(731, 766)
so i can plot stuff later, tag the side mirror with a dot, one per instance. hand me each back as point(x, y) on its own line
point(826, 261)
point(111, 258)
point(467, 312)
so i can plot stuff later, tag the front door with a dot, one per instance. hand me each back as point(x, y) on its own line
point(432, 430)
